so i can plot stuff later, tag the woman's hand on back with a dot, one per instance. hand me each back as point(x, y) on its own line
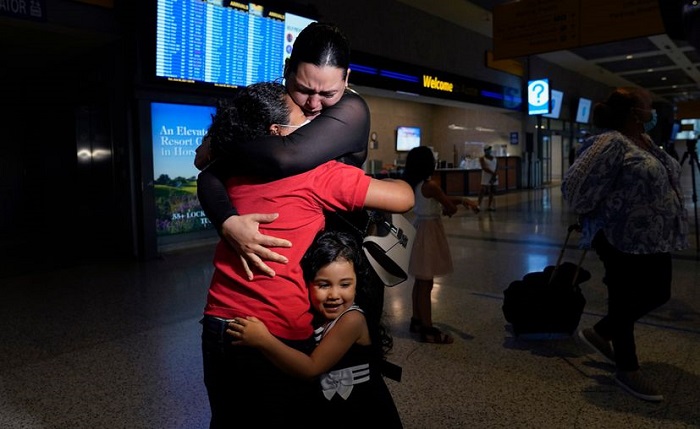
point(243, 234)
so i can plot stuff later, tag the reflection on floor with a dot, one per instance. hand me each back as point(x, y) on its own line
point(117, 345)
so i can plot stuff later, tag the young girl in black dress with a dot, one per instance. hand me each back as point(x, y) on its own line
point(351, 340)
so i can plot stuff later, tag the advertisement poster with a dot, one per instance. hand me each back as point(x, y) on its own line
point(177, 130)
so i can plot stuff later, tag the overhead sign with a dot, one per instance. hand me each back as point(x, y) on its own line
point(538, 97)
point(535, 26)
point(515, 67)
point(555, 104)
point(583, 112)
point(528, 27)
point(34, 10)
point(409, 79)
point(604, 21)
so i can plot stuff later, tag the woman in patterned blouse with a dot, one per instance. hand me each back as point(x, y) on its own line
point(627, 192)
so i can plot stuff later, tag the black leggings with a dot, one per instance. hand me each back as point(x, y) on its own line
point(637, 284)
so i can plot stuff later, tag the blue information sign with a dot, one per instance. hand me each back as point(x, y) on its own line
point(538, 97)
point(514, 137)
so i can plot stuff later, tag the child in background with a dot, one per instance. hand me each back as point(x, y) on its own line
point(431, 255)
point(489, 178)
point(351, 340)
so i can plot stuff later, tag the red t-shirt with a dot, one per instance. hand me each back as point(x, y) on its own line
point(282, 302)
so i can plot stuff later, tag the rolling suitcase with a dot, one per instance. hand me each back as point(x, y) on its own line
point(547, 304)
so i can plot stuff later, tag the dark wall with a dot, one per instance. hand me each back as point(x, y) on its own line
point(65, 145)
point(400, 32)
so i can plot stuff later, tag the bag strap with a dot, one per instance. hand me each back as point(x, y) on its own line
point(362, 232)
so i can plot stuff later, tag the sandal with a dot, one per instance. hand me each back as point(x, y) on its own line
point(415, 325)
point(431, 334)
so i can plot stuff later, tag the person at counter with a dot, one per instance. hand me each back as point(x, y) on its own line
point(489, 178)
point(464, 163)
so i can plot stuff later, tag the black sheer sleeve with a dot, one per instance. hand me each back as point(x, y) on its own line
point(212, 193)
point(339, 132)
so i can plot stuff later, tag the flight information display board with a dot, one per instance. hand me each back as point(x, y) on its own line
point(224, 45)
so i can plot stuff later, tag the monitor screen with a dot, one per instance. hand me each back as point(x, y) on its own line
point(177, 130)
point(229, 45)
point(689, 129)
point(555, 104)
point(583, 112)
point(407, 138)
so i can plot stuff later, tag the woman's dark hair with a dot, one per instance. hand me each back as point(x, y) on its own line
point(613, 113)
point(247, 115)
point(330, 246)
point(420, 165)
point(321, 44)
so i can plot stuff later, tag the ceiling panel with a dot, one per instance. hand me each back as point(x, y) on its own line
point(693, 56)
point(660, 79)
point(614, 49)
point(641, 63)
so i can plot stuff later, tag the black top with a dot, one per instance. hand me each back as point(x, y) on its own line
point(339, 132)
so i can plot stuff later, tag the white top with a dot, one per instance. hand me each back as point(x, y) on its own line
point(486, 176)
point(425, 207)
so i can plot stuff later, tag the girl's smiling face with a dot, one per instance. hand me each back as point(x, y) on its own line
point(332, 290)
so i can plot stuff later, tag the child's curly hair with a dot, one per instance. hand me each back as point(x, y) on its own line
point(248, 115)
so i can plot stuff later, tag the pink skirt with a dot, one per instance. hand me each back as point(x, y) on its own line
point(430, 256)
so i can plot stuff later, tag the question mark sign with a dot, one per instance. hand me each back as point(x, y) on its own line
point(538, 89)
point(538, 93)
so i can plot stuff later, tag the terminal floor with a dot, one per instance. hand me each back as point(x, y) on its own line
point(117, 345)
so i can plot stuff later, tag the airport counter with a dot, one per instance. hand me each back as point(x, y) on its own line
point(462, 182)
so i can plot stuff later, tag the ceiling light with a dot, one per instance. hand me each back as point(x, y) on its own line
point(629, 57)
point(650, 70)
point(663, 78)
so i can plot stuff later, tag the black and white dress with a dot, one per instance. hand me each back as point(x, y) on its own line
point(353, 392)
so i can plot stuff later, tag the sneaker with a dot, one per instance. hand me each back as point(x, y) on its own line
point(634, 383)
point(598, 344)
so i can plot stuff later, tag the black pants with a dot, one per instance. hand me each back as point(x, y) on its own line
point(637, 284)
point(244, 386)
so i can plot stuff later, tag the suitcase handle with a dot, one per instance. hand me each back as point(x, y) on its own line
point(573, 227)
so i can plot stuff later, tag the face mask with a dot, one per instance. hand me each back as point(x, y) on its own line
point(648, 126)
point(295, 126)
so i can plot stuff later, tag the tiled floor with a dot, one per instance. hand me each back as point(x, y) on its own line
point(117, 345)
